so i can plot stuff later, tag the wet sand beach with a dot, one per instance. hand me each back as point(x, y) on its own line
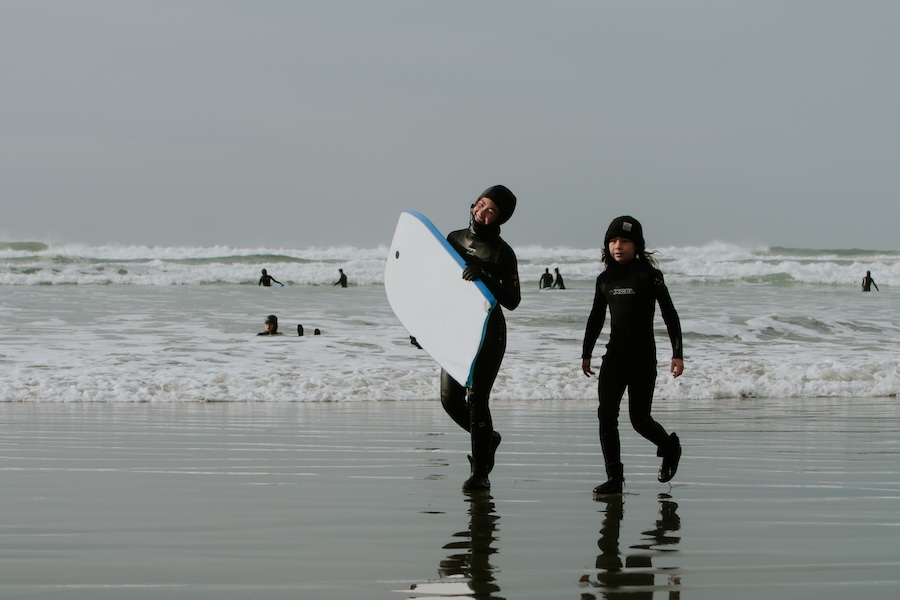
point(774, 499)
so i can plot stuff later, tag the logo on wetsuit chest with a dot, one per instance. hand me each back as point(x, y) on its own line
point(622, 292)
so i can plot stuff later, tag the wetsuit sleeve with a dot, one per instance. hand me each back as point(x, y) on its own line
point(670, 316)
point(495, 262)
point(503, 280)
point(595, 322)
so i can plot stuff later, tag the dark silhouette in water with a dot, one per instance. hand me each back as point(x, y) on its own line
point(558, 283)
point(266, 280)
point(546, 280)
point(868, 282)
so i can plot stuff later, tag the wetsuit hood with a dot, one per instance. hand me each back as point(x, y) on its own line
point(503, 198)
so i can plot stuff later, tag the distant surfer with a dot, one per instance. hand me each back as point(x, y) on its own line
point(558, 284)
point(630, 287)
point(868, 282)
point(267, 279)
point(493, 261)
point(342, 280)
point(271, 326)
point(546, 279)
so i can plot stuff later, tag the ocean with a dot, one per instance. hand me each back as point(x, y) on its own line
point(178, 324)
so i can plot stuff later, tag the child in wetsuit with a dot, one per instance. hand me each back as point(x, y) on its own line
point(493, 261)
point(631, 287)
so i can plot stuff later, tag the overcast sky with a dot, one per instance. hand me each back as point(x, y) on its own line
point(293, 124)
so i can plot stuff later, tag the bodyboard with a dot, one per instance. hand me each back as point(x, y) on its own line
point(423, 280)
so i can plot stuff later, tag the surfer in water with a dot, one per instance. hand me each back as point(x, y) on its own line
point(546, 279)
point(271, 326)
point(630, 287)
point(342, 280)
point(558, 284)
point(267, 280)
point(491, 260)
point(868, 282)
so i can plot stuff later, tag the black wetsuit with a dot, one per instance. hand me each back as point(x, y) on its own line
point(546, 280)
point(481, 247)
point(631, 292)
point(558, 284)
point(266, 280)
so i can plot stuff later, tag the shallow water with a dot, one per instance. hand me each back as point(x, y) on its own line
point(122, 343)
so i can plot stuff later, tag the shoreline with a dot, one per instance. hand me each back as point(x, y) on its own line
point(783, 498)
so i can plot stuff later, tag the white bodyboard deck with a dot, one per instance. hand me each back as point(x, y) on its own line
point(445, 313)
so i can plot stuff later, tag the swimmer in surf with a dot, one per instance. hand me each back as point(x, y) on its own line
point(868, 282)
point(271, 326)
point(342, 280)
point(266, 280)
point(546, 279)
point(558, 284)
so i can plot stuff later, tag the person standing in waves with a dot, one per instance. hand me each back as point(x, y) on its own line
point(868, 282)
point(266, 280)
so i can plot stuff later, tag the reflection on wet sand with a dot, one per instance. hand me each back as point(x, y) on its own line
point(632, 574)
point(467, 571)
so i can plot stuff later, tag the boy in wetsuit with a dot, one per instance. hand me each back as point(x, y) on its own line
point(630, 287)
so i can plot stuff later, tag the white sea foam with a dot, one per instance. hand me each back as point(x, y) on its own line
point(165, 343)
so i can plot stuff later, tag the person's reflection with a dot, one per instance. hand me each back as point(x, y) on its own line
point(634, 577)
point(467, 572)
